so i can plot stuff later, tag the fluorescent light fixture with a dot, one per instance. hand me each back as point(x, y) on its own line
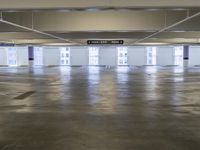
point(178, 31)
point(58, 44)
point(152, 43)
point(92, 9)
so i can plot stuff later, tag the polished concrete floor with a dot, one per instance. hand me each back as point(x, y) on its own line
point(80, 108)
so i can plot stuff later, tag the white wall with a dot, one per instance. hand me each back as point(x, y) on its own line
point(165, 55)
point(137, 55)
point(22, 56)
point(108, 56)
point(194, 55)
point(51, 56)
point(3, 56)
point(79, 55)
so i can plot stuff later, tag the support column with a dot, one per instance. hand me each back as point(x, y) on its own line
point(79, 55)
point(194, 55)
point(51, 56)
point(3, 56)
point(165, 55)
point(108, 56)
point(137, 55)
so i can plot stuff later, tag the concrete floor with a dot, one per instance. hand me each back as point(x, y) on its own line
point(147, 108)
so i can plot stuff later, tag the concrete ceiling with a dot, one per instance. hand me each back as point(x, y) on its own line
point(58, 4)
point(48, 22)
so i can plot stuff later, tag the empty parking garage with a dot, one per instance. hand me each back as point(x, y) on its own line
point(99, 75)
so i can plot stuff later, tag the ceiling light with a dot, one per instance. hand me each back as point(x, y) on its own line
point(92, 9)
point(179, 31)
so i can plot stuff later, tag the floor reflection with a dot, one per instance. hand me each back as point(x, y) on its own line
point(122, 74)
point(107, 93)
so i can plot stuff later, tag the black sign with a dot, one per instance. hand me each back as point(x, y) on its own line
point(7, 44)
point(89, 42)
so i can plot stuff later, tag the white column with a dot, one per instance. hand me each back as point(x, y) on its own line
point(108, 56)
point(51, 56)
point(165, 55)
point(137, 55)
point(79, 55)
point(3, 56)
point(22, 56)
point(194, 55)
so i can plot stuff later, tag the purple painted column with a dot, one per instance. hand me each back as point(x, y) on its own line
point(30, 53)
point(186, 52)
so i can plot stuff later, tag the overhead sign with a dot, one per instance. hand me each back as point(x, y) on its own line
point(7, 44)
point(89, 42)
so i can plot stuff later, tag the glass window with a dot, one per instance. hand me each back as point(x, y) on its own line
point(151, 55)
point(179, 56)
point(93, 56)
point(38, 56)
point(122, 56)
point(12, 56)
point(64, 56)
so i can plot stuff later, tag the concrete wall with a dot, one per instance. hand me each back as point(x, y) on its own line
point(137, 55)
point(51, 56)
point(22, 56)
point(3, 56)
point(108, 56)
point(79, 55)
point(165, 55)
point(194, 55)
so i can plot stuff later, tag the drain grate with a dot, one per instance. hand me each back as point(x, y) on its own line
point(25, 95)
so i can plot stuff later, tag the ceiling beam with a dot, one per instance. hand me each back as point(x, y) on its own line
point(65, 4)
point(100, 35)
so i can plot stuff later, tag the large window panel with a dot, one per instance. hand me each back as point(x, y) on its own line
point(12, 56)
point(151, 55)
point(38, 56)
point(178, 56)
point(122, 56)
point(93, 56)
point(64, 56)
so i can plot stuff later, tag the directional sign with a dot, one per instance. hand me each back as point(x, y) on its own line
point(7, 44)
point(90, 42)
